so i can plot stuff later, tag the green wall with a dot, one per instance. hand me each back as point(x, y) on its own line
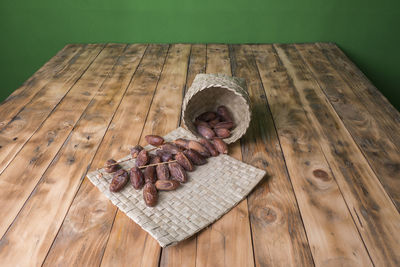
point(368, 31)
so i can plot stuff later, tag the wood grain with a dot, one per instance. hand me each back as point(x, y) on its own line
point(332, 235)
point(372, 209)
point(367, 93)
point(43, 213)
point(163, 117)
point(279, 237)
point(91, 215)
point(17, 132)
point(18, 181)
point(48, 72)
point(365, 126)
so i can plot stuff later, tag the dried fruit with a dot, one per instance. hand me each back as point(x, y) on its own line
point(205, 131)
point(162, 172)
point(165, 156)
point(171, 148)
point(210, 147)
point(135, 151)
point(224, 113)
point(198, 122)
point(199, 148)
point(167, 185)
point(137, 178)
point(220, 145)
point(119, 180)
point(142, 158)
point(184, 161)
point(195, 157)
point(207, 116)
point(177, 172)
point(224, 124)
point(214, 122)
point(182, 142)
point(150, 194)
point(111, 166)
point(222, 132)
point(154, 140)
point(150, 174)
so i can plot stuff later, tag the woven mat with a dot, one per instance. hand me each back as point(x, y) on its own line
point(211, 191)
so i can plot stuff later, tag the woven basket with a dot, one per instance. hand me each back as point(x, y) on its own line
point(208, 91)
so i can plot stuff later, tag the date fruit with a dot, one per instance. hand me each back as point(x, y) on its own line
point(111, 166)
point(224, 124)
point(135, 151)
point(224, 113)
point(182, 142)
point(210, 147)
point(220, 145)
point(207, 116)
point(154, 140)
point(167, 185)
point(150, 174)
point(177, 172)
point(198, 122)
point(205, 131)
point(165, 156)
point(199, 148)
point(184, 161)
point(171, 148)
point(222, 132)
point(119, 180)
point(150, 194)
point(214, 122)
point(195, 157)
point(142, 158)
point(137, 179)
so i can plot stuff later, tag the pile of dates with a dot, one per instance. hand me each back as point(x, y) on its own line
point(166, 169)
point(212, 124)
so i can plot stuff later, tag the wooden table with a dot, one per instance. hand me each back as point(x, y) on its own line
point(327, 138)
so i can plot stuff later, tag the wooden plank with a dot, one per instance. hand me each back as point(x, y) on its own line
point(184, 253)
point(332, 235)
point(18, 181)
point(43, 213)
point(49, 71)
point(16, 133)
point(91, 215)
point(374, 213)
point(163, 117)
point(374, 101)
point(365, 126)
point(278, 233)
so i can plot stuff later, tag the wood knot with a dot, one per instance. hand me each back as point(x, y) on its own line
point(323, 175)
point(268, 215)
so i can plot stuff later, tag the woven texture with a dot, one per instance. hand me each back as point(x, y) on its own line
point(208, 91)
point(211, 191)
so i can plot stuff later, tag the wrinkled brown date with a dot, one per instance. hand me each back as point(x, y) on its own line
point(111, 166)
point(214, 122)
point(150, 174)
point(182, 142)
point(205, 131)
point(165, 156)
point(222, 132)
point(224, 124)
point(171, 148)
point(210, 147)
point(142, 158)
point(137, 179)
point(207, 116)
point(119, 180)
point(220, 145)
point(224, 113)
point(135, 151)
point(150, 194)
point(195, 157)
point(199, 148)
point(184, 161)
point(198, 122)
point(167, 185)
point(154, 140)
point(177, 172)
